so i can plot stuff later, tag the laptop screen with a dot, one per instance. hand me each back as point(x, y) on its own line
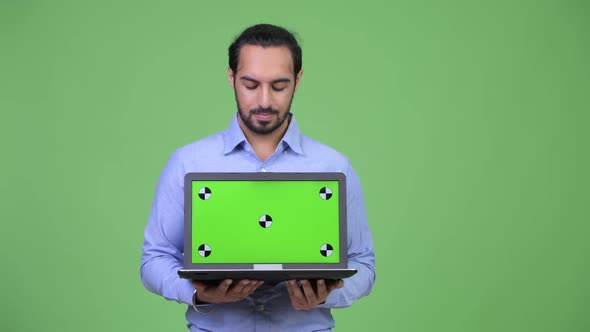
point(265, 221)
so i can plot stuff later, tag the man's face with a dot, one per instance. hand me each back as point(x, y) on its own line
point(264, 86)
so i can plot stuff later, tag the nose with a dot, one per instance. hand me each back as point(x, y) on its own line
point(265, 97)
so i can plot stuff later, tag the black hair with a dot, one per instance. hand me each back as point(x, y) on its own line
point(265, 35)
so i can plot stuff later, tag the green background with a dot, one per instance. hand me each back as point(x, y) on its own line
point(301, 222)
point(467, 122)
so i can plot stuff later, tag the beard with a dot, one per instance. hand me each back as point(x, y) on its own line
point(264, 127)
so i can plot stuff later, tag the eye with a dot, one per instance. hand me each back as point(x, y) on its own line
point(251, 87)
point(278, 88)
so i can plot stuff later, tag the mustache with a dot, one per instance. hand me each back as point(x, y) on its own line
point(260, 110)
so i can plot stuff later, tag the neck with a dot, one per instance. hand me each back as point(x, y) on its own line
point(264, 145)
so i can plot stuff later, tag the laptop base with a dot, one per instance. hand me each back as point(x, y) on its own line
point(275, 275)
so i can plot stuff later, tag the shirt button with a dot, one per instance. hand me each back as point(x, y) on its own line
point(260, 307)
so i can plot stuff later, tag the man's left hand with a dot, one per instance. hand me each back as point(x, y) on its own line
point(304, 297)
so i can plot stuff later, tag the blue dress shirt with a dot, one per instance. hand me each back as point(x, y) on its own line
point(269, 307)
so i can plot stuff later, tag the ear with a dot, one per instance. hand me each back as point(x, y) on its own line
point(298, 79)
point(230, 77)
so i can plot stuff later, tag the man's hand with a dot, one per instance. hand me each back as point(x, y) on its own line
point(305, 297)
point(222, 292)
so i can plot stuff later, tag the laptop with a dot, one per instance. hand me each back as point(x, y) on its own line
point(265, 226)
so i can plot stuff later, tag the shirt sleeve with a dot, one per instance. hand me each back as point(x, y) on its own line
point(163, 243)
point(361, 255)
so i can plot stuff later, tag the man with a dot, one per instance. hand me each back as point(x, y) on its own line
point(264, 72)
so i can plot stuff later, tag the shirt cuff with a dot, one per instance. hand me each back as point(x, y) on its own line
point(203, 308)
point(186, 292)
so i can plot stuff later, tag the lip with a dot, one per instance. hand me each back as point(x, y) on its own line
point(263, 117)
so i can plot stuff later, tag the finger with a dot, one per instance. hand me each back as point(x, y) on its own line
point(296, 300)
point(310, 296)
point(289, 284)
point(335, 284)
point(236, 290)
point(248, 288)
point(322, 290)
point(296, 292)
point(224, 286)
point(253, 286)
point(256, 285)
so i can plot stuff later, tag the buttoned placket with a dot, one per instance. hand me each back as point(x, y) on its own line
point(261, 302)
point(264, 166)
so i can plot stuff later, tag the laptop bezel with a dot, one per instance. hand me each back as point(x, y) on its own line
point(265, 176)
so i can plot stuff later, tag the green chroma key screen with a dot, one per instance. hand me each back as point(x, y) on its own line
point(265, 222)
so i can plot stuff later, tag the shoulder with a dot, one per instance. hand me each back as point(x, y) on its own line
point(203, 148)
point(316, 150)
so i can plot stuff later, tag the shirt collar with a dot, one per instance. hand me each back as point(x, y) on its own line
point(292, 136)
point(234, 136)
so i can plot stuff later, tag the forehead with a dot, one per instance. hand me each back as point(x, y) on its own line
point(265, 63)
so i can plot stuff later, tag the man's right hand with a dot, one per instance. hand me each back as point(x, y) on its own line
point(225, 291)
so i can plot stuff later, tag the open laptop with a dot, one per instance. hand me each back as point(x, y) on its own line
point(265, 226)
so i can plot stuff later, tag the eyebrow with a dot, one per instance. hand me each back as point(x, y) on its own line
point(278, 80)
